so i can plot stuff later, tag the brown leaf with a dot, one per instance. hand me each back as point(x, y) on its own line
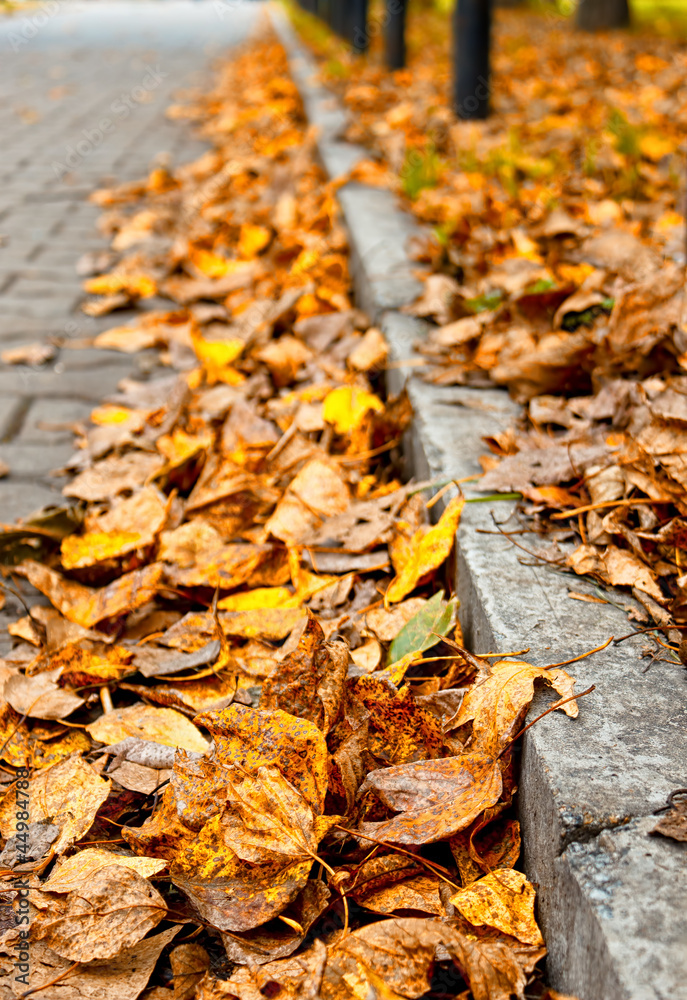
point(86, 606)
point(400, 730)
point(393, 883)
point(495, 704)
point(433, 798)
point(400, 954)
point(296, 978)
point(674, 823)
point(32, 354)
point(115, 909)
point(114, 475)
point(310, 681)
point(68, 794)
point(277, 939)
point(122, 977)
point(40, 696)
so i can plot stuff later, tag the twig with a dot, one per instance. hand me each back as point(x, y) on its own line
point(557, 704)
point(36, 989)
point(433, 867)
point(549, 562)
point(582, 656)
point(562, 515)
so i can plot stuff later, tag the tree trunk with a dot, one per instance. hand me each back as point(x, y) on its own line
point(595, 15)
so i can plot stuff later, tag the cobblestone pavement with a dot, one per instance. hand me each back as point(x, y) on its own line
point(83, 93)
point(66, 71)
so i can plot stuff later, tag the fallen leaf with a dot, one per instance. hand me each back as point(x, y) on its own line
point(674, 823)
point(73, 874)
point(345, 408)
point(87, 606)
point(495, 704)
point(429, 547)
point(433, 799)
point(504, 899)
point(114, 910)
point(68, 794)
point(40, 696)
point(122, 977)
point(159, 725)
point(310, 682)
point(32, 354)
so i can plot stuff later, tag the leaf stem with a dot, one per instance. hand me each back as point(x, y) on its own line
point(552, 708)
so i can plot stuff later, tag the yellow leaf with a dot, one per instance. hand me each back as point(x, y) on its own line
point(73, 873)
point(426, 551)
point(97, 546)
point(654, 147)
point(136, 285)
point(105, 415)
point(68, 795)
point(179, 446)
point(495, 703)
point(162, 725)
point(347, 406)
point(212, 265)
point(261, 597)
point(217, 356)
point(87, 606)
point(252, 240)
point(504, 899)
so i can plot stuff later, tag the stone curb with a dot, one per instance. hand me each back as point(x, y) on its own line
point(611, 896)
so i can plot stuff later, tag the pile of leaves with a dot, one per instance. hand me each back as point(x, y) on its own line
point(554, 268)
point(239, 773)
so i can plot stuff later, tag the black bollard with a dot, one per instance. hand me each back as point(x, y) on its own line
point(359, 36)
point(337, 17)
point(471, 40)
point(395, 33)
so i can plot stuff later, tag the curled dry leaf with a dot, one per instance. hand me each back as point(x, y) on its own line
point(278, 939)
point(32, 354)
point(673, 823)
point(400, 954)
point(189, 964)
point(497, 702)
point(146, 753)
point(311, 680)
point(87, 606)
point(394, 883)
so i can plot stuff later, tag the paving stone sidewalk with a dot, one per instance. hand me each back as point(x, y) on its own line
point(83, 94)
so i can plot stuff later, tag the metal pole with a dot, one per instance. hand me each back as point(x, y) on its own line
point(359, 37)
point(395, 34)
point(471, 38)
point(336, 10)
